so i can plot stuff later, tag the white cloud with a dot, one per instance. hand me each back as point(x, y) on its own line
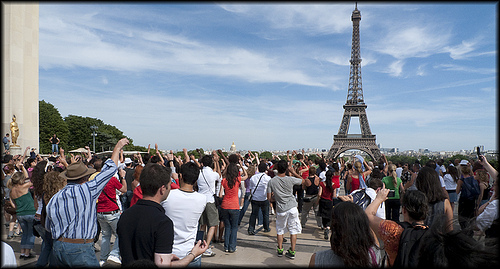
point(462, 50)
point(395, 69)
point(310, 18)
point(65, 44)
point(469, 69)
point(405, 41)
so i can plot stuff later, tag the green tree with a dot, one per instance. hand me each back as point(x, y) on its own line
point(50, 123)
point(81, 134)
point(266, 155)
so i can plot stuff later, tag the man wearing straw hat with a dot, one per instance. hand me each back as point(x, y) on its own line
point(71, 213)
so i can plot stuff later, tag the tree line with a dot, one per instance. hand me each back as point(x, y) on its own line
point(75, 132)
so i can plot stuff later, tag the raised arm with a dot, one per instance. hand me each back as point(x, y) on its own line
point(487, 166)
point(121, 176)
point(62, 157)
point(121, 156)
point(371, 210)
point(215, 157)
point(244, 176)
point(186, 156)
point(115, 156)
point(89, 154)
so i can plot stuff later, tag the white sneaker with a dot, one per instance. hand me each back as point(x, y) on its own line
point(208, 253)
point(114, 259)
point(101, 263)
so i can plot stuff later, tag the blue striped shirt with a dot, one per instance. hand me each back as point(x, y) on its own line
point(71, 212)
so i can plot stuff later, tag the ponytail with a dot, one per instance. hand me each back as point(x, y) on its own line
point(392, 170)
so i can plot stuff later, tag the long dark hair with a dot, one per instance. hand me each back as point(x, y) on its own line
point(453, 171)
point(428, 182)
point(351, 235)
point(328, 180)
point(231, 174)
point(37, 178)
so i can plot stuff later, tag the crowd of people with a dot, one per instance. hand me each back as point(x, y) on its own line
point(167, 210)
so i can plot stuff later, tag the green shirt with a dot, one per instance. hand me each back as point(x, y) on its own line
point(25, 205)
point(389, 184)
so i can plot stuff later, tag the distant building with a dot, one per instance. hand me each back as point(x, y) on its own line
point(233, 148)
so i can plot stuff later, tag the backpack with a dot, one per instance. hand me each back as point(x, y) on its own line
point(409, 244)
point(361, 198)
point(470, 188)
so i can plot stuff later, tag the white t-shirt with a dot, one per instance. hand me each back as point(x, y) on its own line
point(399, 171)
point(441, 180)
point(184, 209)
point(8, 256)
point(260, 193)
point(449, 183)
point(211, 177)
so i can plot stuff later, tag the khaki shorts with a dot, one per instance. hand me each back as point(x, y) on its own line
point(288, 220)
point(210, 216)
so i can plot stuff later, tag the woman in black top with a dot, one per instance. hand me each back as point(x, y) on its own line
point(311, 186)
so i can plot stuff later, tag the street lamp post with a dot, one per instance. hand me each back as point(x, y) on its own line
point(93, 127)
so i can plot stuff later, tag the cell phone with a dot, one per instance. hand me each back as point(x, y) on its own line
point(199, 236)
point(392, 193)
point(478, 151)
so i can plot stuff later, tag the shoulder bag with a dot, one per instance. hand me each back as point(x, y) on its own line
point(251, 194)
point(217, 199)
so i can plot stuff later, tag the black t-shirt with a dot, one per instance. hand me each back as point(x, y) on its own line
point(144, 230)
point(129, 177)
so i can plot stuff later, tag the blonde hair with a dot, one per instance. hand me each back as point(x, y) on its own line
point(16, 179)
point(357, 167)
point(482, 175)
point(251, 170)
point(52, 184)
point(391, 169)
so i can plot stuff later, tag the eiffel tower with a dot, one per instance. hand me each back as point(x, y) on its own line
point(355, 106)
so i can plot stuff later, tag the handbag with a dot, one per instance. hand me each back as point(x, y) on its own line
point(251, 194)
point(217, 199)
point(10, 207)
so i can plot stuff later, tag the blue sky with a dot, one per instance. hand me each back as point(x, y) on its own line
point(274, 76)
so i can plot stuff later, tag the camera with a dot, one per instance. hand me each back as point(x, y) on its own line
point(392, 193)
point(478, 153)
point(199, 236)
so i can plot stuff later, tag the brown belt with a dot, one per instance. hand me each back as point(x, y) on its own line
point(75, 241)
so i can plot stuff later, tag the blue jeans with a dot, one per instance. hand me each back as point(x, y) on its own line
point(245, 207)
point(257, 206)
point(108, 227)
point(55, 148)
point(44, 257)
point(74, 255)
point(28, 239)
point(230, 217)
point(195, 263)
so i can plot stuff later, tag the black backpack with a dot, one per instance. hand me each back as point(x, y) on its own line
point(409, 244)
point(470, 188)
point(361, 198)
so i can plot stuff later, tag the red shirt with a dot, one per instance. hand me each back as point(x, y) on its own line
point(354, 184)
point(326, 193)
point(306, 173)
point(104, 204)
point(336, 181)
point(136, 196)
point(231, 200)
point(174, 185)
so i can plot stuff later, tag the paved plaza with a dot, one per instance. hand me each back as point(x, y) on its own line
point(257, 250)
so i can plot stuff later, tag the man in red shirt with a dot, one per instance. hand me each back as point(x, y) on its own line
point(108, 214)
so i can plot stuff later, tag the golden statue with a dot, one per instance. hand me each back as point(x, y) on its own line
point(14, 129)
